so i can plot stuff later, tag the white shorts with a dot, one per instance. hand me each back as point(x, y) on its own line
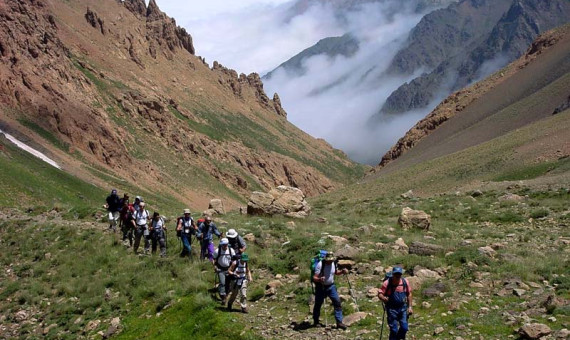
point(113, 218)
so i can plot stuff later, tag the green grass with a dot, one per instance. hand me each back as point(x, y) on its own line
point(44, 134)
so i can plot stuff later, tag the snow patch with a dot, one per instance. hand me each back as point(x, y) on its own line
point(31, 150)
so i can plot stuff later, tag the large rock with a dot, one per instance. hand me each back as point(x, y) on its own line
point(282, 200)
point(534, 331)
point(410, 218)
point(425, 249)
point(217, 206)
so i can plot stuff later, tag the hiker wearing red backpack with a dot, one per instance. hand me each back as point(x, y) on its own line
point(396, 294)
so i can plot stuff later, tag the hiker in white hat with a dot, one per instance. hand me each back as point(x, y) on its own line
point(237, 243)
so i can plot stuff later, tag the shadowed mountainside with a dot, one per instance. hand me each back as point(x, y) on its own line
point(114, 92)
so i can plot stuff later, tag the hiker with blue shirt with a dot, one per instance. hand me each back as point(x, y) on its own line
point(206, 232)
point(396, 294)
point(323, 278)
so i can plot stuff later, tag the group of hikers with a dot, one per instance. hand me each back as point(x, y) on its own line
point(230, 261)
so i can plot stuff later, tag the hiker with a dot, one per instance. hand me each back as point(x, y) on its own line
point(158, 233)
point(325, 271)
point(396, 295)
point(237, 243)
point(127, 223)
point(241, 274)
point(137, 203)
point(113, 207)
point(206, 232)
point(222, 260)
point(141, 217)
point(185, 228)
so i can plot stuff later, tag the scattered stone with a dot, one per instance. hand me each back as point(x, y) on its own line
point(379, 270)
point(424, 273)
point(424, 249)
point(91, 325)
point(274, 284)
point(408, 194)
point(511, 197)
point(116, 322)
point(351, 319)
point(426, 305)
point(322, 220)
point(348, 264)
point(438, 330)
point(21, 316)
point(410, 218)
point(290, 225)
point(401, 244)
point(47, 256)
point(372, 292)
point(434, 290)
point(563, 334)
point(110, 332)
point(476, 193)
point(476, 285)
point(519, 292)
point(338, 240)
point(347, 253)
point(534, 331)
point(217, 206)
point(487, 251)
point(249, 237)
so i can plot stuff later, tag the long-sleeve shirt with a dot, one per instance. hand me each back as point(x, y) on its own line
point(208, 231)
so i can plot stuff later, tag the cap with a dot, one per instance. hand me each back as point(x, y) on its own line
point(224, 241)
point(330, 257)
point(114, 191)
point(142, 205)
point(137, 198)
point(187, 211)
point(244, 257)
point(232, 233)
point(397, 270)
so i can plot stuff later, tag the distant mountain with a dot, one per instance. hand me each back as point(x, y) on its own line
point(113, 91)
point(530, 89)
point(345, 45)
point(466, 41)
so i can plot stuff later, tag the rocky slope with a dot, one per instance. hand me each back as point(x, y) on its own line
point(523, 82)
point(466, 41)
point(118, 85)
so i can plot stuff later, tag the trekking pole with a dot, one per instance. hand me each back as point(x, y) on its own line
point(383, 314)
point(326, 315)
point(166, 241)
point(352, 294)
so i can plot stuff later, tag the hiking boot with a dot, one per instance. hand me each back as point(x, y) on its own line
point(316, 323)
point(223, 300)
point(229, 307)
point(244, 310)
point(340, 325)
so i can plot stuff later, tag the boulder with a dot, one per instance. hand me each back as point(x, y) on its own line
point(401, 245)
point(217, 205)
point(282, 200)
point(338, 240)
point(487, 251)
point(347, 253)
point(424, 249)
point(348, 264)
point(511, 197)
point(534, 331)
point(424, 273)
point(410, 218)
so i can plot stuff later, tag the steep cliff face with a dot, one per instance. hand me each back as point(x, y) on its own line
point(114, 88)
point(472, 98)
point(461, 43)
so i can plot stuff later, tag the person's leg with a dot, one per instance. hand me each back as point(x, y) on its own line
point(335, 298)
point(203, 249)
point(243, 296)
point(319, 299)
point(138, 235)
point(403, 321)
point(162, 242)
point(210, 250)
point(234, 289)
point(186, 247)
point(222, 285)
point(146, 244)
point(110, 218)
point(393, 323)
point(154, 240)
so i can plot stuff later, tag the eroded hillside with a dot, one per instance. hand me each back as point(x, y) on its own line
point(114, 91)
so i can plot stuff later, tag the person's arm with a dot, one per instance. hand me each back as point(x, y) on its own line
point(163, 224)
point(216, 231)
point(232, 268)
point(382, 291)
point(249, 278)
point(179, 225)
point(242, 244)
point(410, 304)
point(317, 278)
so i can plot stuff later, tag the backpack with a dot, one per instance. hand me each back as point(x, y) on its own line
point(315, 260)
point(232, 254)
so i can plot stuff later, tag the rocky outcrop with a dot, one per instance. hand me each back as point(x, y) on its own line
point(282, 200)
point(94, 20)
point(137, 7)
point(410, 218)
point(534, 331)
point(277, 106)
point(163, 31)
